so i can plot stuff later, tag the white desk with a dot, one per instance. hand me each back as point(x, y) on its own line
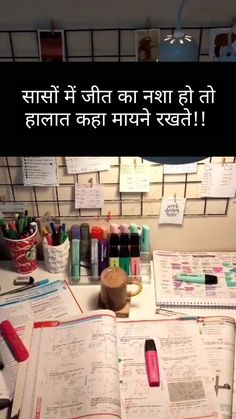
point(142, 306)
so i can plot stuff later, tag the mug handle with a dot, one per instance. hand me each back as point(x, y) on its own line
point(136, 282)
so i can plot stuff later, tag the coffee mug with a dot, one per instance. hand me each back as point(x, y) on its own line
point(114, 293)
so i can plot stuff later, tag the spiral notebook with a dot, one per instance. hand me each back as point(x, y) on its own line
point(170, 292)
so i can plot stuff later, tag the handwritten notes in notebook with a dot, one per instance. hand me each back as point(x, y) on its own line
point(87, 164)
point(40, 171)
point(87, 196)
point(219, 180)
point(134, 178)
point(172, 210)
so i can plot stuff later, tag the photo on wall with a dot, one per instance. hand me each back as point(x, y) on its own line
point(51, 45)
point(147, 45)
point(219, 39)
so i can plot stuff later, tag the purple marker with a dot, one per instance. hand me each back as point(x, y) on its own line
point(103, 254)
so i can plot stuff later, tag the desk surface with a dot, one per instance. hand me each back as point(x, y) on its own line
point(142, 306)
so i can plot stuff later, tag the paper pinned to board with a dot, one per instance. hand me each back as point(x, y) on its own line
point(87, 164)
point(134, 178)
point(40, 171)
point(219, 180)
point(177, 169)
point(172, 211)
point(87, 196)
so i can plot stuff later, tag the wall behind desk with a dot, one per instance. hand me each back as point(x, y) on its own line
point(209, 224)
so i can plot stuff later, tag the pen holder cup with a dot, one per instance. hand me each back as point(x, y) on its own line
point(114, 288)
point(23, 252)
point(56, 257)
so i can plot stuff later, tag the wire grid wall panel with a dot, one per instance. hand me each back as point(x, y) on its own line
point(109, 44)
point(60, 201)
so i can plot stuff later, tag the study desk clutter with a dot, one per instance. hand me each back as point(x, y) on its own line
point(142, 307)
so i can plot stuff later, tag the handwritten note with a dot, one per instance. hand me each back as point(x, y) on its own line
point(177, 169)
point(89, 196)
point(219, 180)
point(134, 178)
point(40, 171)
point(87, 164)
point(13, 206)
point(172, 210)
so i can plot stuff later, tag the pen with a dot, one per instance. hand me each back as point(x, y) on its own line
point(152, 365)
point(102, 254)
point(198, 278)
point(36, 284)
point(13, 341)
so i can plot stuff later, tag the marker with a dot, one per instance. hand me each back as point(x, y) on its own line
point(124, 261)
point(151, 361)
point(13, 341)
point(85, 243)
point(1, 362)
point(135, 255)
point(198, 279)
point(145, 239)
point(114, 250)
point(102, 254)
point(94, 257)
point(23, 280)
point(75, 252)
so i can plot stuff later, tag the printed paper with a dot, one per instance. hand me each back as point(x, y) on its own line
point(40, 171)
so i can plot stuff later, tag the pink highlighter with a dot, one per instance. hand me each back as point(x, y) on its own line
point(13, 341)
point(152, 363)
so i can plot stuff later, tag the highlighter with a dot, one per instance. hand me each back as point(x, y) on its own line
point(152, 365)
point(133, 228)
point(13, 341)
point(198, 279)
point(114, 251)
point(85, 244)
point(135, 255)
point(75, 252)
point(102, 254)
point(94, 257)
point(124, 253)
point(145, 239)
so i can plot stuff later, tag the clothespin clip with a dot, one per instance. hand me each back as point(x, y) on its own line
point(223, 161)
point(109, 216)
point(91, 182)
point(135, 163)
point(175, 198)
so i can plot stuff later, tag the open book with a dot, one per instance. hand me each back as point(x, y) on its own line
point(94, 366)
point(53, 300)
point(170, 292)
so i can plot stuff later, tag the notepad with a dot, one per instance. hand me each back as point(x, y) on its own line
point(171, 292)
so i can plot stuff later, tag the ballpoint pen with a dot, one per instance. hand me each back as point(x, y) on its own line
point(36, 284)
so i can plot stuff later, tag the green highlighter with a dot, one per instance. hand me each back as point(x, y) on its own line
point(124, 261)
